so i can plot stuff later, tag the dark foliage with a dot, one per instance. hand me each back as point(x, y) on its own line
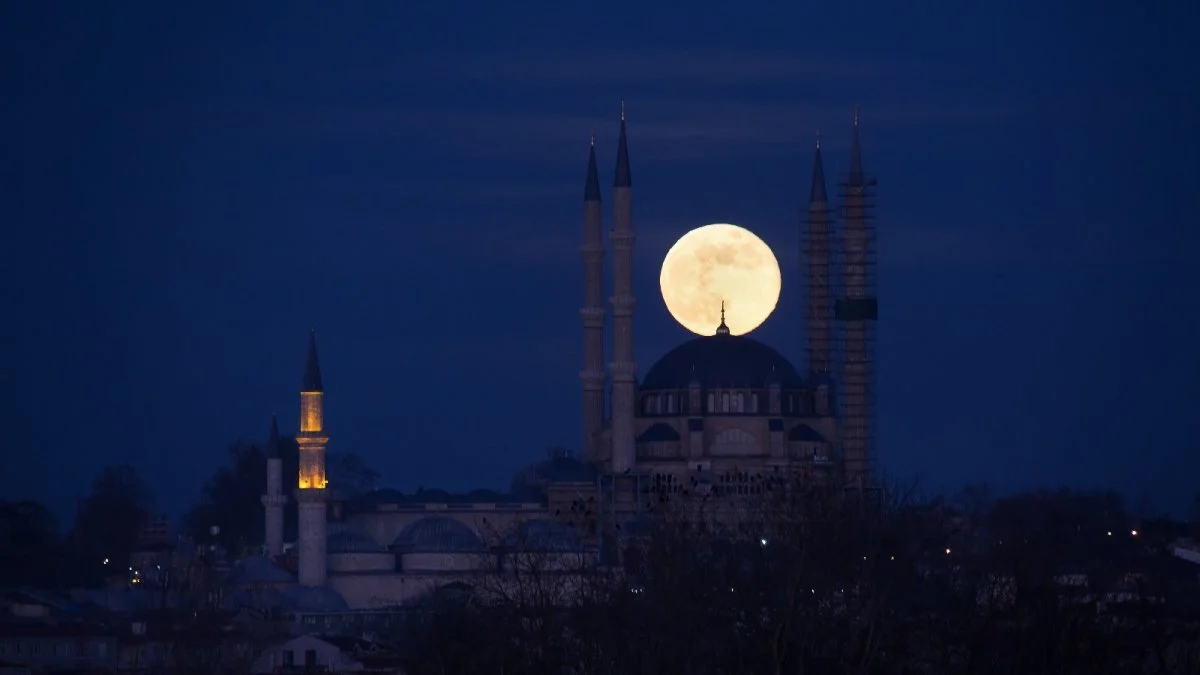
point(31, 551)
point(107, 524)
point(231, 500)
point(813, 580)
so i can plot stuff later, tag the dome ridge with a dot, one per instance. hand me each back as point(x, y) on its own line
point(721, 361)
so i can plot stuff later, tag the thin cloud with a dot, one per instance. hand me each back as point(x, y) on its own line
point(657, 66)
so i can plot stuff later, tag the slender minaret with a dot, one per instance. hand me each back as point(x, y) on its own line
point(857, 311)
point(816, 254)
point(274, 499)
point(623, 367)
point(592, 375)
point(310, 493)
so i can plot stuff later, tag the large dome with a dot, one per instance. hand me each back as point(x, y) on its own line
point(722, 361)
point(437, 534)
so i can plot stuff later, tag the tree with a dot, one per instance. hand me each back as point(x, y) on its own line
point(29, 532)
point(802, 576)
point(107, 524)
point(349, 475)
point(232, 498)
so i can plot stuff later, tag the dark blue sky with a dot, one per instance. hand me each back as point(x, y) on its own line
point(187, 191)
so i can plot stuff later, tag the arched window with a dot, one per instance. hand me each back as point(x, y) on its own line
point(712, 402)
point(754, 403)
point(725, 402)
point(738, 401)
point(671, 403)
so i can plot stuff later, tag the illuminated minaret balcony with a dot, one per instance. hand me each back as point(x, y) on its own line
point(312, 438)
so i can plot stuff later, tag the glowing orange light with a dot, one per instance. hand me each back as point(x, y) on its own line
point(311, 421)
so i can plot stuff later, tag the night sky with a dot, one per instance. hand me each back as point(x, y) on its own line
point(187, 191)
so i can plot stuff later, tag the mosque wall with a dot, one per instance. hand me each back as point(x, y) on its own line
point(488, 523)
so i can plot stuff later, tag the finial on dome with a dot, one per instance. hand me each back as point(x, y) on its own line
point(622, 111)
point(856, 114)
point(592, 137)
point(818, 140)
point(722, 329)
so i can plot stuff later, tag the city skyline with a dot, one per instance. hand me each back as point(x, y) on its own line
point(187, 225)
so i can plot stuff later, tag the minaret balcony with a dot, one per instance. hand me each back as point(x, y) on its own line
point(593, 317)
point(623, 370)
point(622, 240)
point(623, 304)
point(311, 495)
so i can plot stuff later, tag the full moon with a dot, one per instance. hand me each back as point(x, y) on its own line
point(720, 263)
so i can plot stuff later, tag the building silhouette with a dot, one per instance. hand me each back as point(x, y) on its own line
point(716, 414)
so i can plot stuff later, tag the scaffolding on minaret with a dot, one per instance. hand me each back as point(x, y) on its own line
point(855, 312)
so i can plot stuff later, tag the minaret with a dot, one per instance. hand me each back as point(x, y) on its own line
point(623, 367)
point(274, 499)
point(310, 493)
point(857, 311)
point(816, 254)
point(592, 313)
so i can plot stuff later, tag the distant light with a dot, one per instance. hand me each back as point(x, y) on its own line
point(1133, 532)
point(864, 557)
point(763, 542)
point(947, 551)
point(892, 558)
point(1110, 533)
point(106, 561)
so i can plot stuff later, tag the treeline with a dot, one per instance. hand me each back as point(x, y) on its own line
point(811, 580)
point(36, 551)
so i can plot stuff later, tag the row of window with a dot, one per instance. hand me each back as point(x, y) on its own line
point(729, 402)
point(61, 648)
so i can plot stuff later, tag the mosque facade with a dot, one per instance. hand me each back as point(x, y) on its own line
point(717, 414)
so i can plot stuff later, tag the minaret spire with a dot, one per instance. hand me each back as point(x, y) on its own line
point(722, 329)
point(816, 259)
point(274, 499)
point(310, 493)
point(857, 311)
point(312, 368)
point(591, 188)
point(816, 193)
point(592, 377)
point(623, 367)
point(273, 438)
point(856, 168)
point(622, 178)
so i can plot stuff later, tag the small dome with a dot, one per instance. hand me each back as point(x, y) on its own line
point(565, 470)
point(255, 598)
point(431, 496)
point(481, 496)
point(350, 538)
point(313, 599)
point(721, 361)
point(438, 534)
point(257, 570)
point(544, 535)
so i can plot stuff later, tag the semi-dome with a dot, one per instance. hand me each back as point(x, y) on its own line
point(437, 534)
point(257, 570)
point(722, 361)
point(544, 535)
point(313, 599)
point(350, 538)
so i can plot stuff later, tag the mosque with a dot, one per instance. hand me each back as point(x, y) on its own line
point(718, 412)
